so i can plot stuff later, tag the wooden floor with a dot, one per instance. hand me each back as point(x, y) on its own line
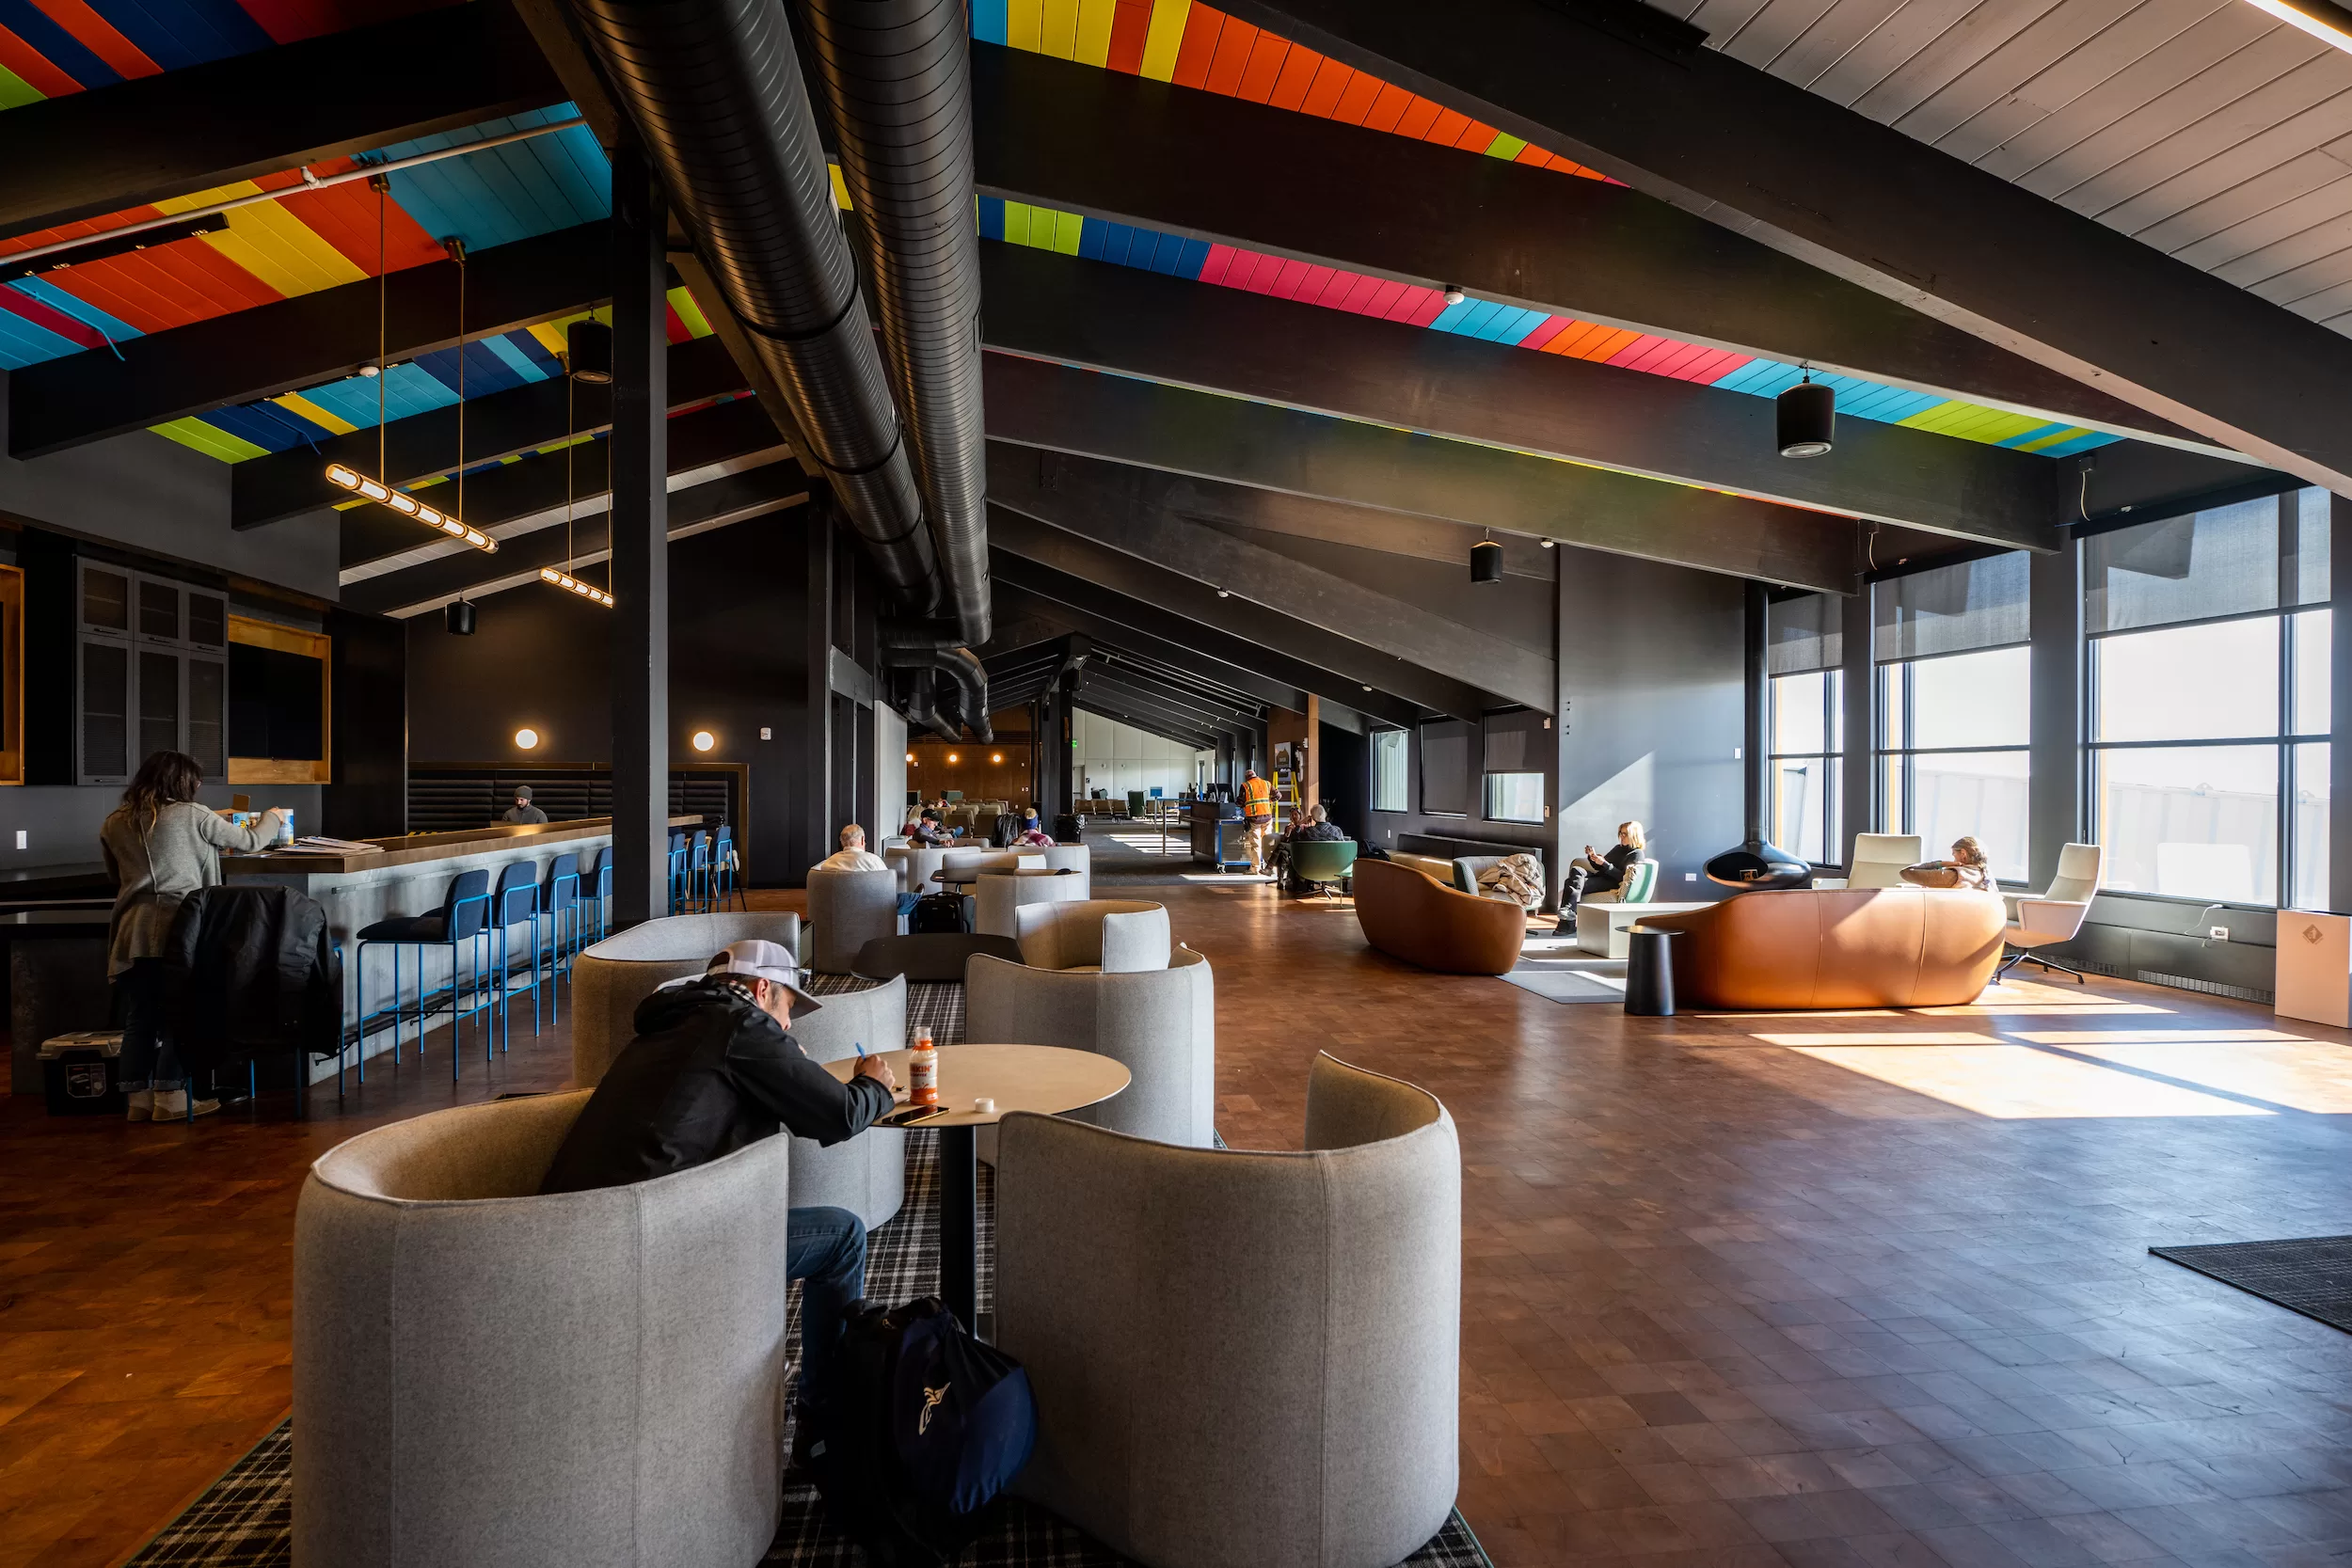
point(1866, 1288)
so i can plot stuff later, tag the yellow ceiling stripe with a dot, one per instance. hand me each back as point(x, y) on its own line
point(279, 249)
point(840, 188)
point(206, 199)
point(1025, 25)
point(294, 402)
point(688, 311)
point(1059, 29)
point(209, 440)
point(1095, 31)
point(1165, 37)
point(550, 336)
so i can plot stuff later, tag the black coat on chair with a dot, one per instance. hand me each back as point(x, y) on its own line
point(251, 971)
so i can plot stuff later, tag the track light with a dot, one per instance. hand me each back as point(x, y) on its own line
point(585, 590)
point(1486, 562)
point(407, 506)
point(1806, 418)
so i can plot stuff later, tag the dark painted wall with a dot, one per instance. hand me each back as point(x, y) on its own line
point(368, 797)
point(543, 659)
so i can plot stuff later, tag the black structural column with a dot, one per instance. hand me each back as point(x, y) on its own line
point(1858, 769)
point(2054, 798)
point(640, 550)
point(1756, 770)
point(812, 821)
point(2340, 706)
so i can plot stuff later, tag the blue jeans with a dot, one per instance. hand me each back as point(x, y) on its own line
point(906, 906)
point(147, 1059)
point(825, 1250)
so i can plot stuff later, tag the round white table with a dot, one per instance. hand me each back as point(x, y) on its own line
point(1048, 1079)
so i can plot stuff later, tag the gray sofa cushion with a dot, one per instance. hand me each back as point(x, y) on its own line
point(484, 1375)
point(1241, 1357)
point(1096, 933)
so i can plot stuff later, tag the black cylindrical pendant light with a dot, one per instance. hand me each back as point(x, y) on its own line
point(458, 616)
point(1806, 418)
point(1486, 562)
point(588, 344)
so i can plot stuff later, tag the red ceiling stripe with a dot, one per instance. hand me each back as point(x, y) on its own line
point(344, 217)
point(168, 286)
point(288, 20)
point(675, 328)
point(33, 67)
point(48, 316)
point(1131, 28)
point(1385, 299)
point(97, 35)
point(1358, 295)
point(1220, 262)
point(1546, 332)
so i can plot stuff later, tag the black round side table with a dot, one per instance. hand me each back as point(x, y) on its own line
point(1649, 971)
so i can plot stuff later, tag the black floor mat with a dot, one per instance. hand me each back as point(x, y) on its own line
point(2313, 1276)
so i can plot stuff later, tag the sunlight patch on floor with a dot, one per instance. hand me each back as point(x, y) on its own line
point(2283, 1069)
point(2017, 1082)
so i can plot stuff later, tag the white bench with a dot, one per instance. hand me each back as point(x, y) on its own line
point(1601, 929)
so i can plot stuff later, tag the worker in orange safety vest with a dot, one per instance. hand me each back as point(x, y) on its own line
point(1257, 810)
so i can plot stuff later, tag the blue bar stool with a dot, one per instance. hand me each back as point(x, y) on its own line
point(558, 901)
point(723, 869)
point(698, 870)
point(678, 854)
point(463, 918)
point(515, 902)
point(596, 886)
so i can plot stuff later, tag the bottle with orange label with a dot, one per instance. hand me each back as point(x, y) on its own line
point(923, 1070)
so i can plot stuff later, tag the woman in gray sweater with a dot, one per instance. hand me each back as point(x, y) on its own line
point(160, 846)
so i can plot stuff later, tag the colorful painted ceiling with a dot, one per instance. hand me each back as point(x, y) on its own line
point(50, 48)
point(1231, 267)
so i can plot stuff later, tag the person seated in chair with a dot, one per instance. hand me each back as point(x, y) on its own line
point(1592, 873)
point(713, 1069)
point(1316, 824)
point(854, 856)
point(1032, 834)
point(925, 830)
point(1967, 869)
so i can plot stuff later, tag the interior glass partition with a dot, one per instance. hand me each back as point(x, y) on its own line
point(1805, 724)
point(2209, 701)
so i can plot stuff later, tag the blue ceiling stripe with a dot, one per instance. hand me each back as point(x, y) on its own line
point(162, 31)
point(2080, 443)
point(407, 391)
point(992, 217)
point(989, 22)
point(513, 358)
point(537, 353)
point(22, 343)
point(81, 311)
point(1191, 256)
point(54, 43)
point(265, 425)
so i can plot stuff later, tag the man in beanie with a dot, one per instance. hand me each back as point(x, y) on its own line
point(713, 1069)
point(522, 810)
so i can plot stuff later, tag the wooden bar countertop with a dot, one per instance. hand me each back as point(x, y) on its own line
point(421, 848)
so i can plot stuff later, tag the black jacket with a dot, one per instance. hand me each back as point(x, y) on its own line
point(249, 971)
point(707, 1073)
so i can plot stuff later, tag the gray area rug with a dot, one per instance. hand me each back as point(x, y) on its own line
point(1557, 969)
point(2311, 1276)
point(246, 1519)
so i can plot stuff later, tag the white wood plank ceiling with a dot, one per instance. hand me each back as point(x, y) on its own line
point(2203, 127)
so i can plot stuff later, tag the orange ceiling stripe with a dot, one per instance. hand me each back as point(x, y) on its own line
point(1131, 28)
point(1201, 27)
point(33, 68)
point(1266, 58)
point(344, 217)
point(1323, 94)
point(1388, 108)
point(1357, 97)
point(1419, 118)
point(97, 35)
point(171, 285)
point(84, 228)
point(1590, 341)
point(1299, 69)
point(1236, 41)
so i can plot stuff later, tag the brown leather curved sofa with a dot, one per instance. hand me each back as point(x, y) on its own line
point(1414, 917)
point(1838, 947)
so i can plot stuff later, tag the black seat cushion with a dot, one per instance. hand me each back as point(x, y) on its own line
point(407, 927)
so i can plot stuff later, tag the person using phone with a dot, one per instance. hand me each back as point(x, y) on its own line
point(713, 1068)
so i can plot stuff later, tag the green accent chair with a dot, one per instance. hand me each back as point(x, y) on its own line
point(1322, 862)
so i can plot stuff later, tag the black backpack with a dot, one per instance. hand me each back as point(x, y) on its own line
point(937, 915)
point(926, 1428)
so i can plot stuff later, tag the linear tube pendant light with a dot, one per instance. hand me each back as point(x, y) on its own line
point(378, 489)
point(578, 355)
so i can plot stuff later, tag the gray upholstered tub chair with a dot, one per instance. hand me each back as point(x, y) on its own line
point(1159, 1024)
point(1117, 934)
point(999, 896)
point(611, 977)
point(848, 909)
point(1072, 857)
point(1201, 1405)
point(483, 1375)
point(865, 1175)
point(915, 864)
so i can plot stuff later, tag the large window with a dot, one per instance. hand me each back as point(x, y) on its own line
point(1954, 707)
point(1807, 726)
point(2210, 701)
point(1388, 770)
point(1512, 764)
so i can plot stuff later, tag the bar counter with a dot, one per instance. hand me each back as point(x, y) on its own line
point(410, 876)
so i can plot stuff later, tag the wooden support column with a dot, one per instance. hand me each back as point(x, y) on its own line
point(641, 566)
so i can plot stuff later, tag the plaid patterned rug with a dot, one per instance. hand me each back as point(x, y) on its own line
point(246, 1520)
point(933, 1004)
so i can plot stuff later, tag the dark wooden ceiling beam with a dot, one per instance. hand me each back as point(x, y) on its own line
point(1208, 167)
point(1250, 625)
point(91, 154)
point(1102, 316)
point(301, 341)
point(1264, 454)
point(519, 419)
point(1134, 642)
point(1835, 188)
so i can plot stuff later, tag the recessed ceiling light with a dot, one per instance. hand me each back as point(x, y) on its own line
point(1453, 295)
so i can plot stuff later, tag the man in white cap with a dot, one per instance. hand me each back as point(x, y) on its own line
point(713, 1069)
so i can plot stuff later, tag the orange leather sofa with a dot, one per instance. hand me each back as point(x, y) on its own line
point(1414, 917)
point(1841, 947)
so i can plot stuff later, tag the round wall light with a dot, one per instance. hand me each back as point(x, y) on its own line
point(910, 756)
point(951, 756)
point(704, 741)
point(1805, 418)
point(526, 739)
point(996, 756)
